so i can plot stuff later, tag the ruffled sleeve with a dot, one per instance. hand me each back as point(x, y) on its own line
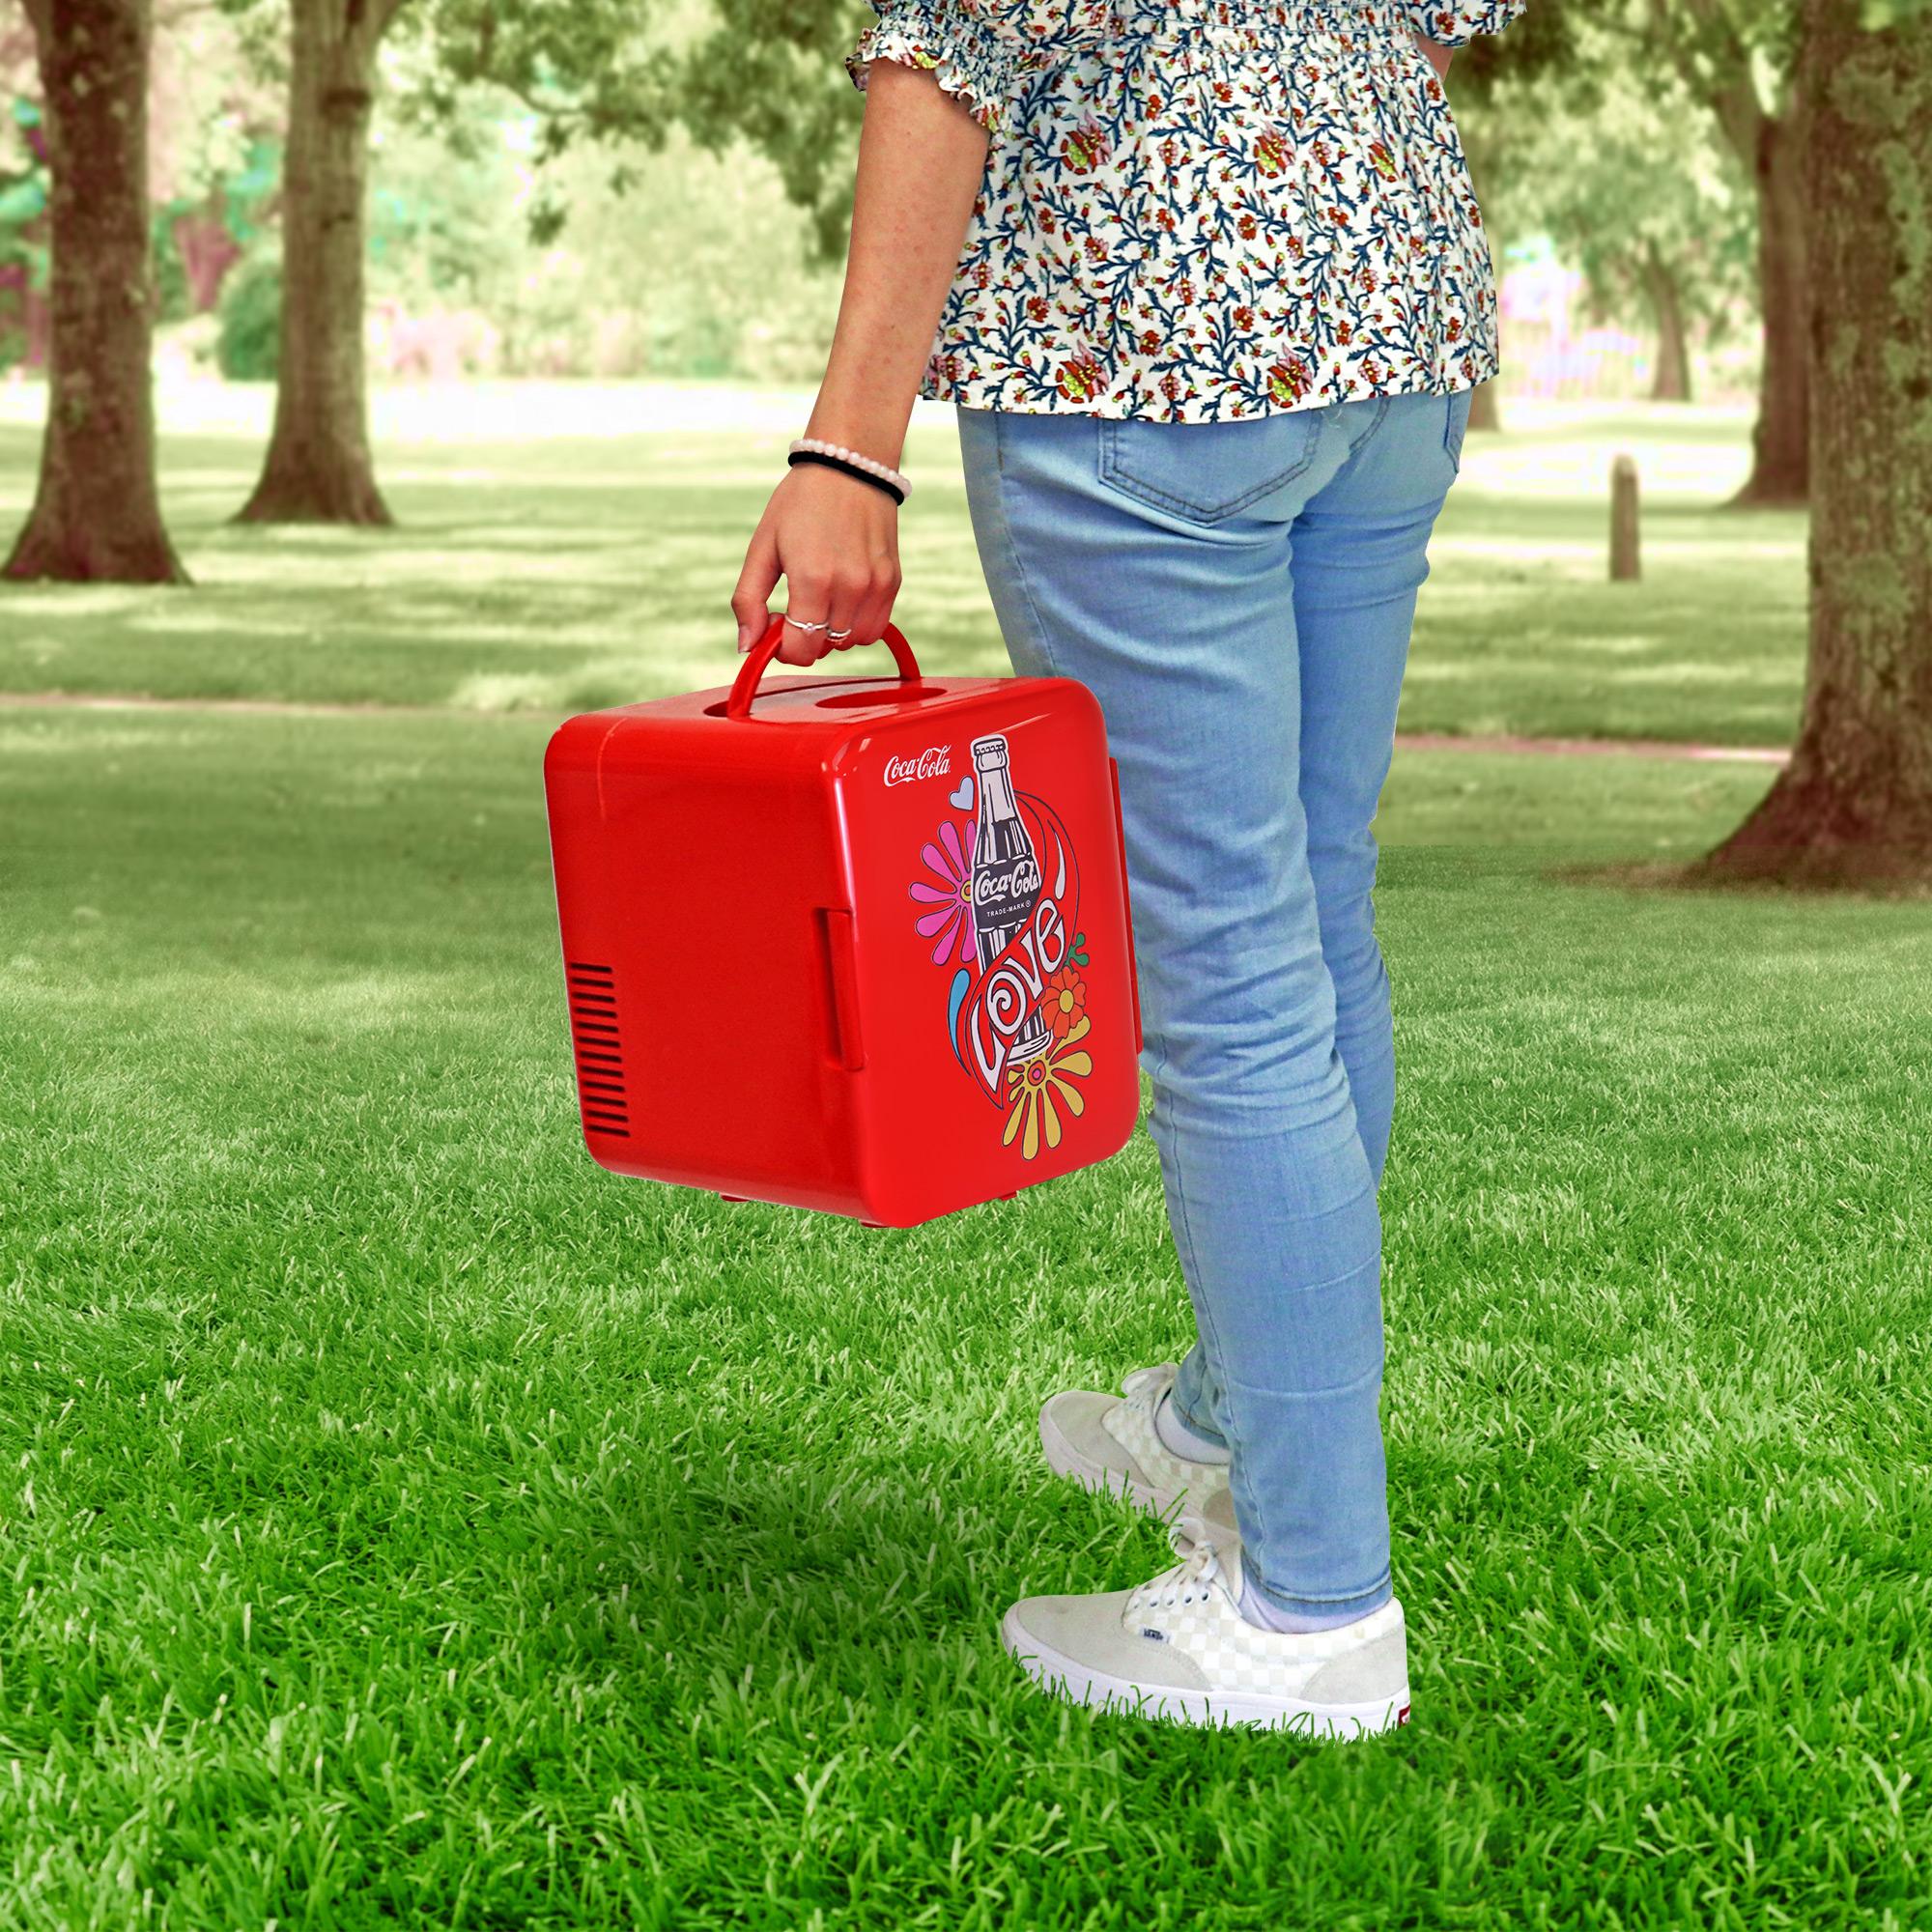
point(1450, 23)
point(959, 42)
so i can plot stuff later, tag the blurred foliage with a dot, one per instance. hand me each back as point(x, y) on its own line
point(248, 346)
point(703, 272)
point(443, 233)
point(698, 270)
point(584, 71)
point(24, 189)
point(24, 184)
point(1590, 126)
point(1712, 43)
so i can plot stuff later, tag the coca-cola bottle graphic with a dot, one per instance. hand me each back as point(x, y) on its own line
point(1006, 878)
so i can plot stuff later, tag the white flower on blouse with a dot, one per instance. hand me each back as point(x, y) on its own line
point(1199, 210)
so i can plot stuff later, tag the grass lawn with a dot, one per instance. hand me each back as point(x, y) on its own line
point(592, 564)
point(403, 1521)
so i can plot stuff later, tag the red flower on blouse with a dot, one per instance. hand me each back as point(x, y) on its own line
point(1288, 382)
point(1080, 379)
point(1087, 147)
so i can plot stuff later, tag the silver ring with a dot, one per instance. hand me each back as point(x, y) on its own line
point(839, 637)
point(798, 624)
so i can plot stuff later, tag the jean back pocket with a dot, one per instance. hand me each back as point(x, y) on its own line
point(1207, 472)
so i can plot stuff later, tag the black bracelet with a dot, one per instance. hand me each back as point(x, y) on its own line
point(844, 469)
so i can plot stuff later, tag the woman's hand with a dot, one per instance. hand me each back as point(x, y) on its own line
point(835, 542)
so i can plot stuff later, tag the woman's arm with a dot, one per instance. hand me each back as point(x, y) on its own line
point(834, 540)
point(1437, 56)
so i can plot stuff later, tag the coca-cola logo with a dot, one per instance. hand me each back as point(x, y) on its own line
point(994, 890)
point(934, 762)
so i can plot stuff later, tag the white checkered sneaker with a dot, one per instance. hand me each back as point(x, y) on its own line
point(1111, 1445)
point(1177, 1647)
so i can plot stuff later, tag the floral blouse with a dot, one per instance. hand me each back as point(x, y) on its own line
point(1195, 210)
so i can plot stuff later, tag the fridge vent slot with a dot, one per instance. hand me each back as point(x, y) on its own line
point(600, 1056)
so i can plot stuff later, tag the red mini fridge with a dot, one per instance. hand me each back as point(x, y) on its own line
point(860, 944)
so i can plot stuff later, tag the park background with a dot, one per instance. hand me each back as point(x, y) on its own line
point(400, 1520)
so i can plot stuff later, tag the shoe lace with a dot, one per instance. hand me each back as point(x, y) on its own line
point(1181, 1583)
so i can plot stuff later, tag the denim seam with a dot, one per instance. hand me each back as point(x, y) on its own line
point(1454, 448)
point(1367, 436)
point(1236, 1468)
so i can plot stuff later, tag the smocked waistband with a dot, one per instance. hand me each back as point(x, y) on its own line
point(1155, 17)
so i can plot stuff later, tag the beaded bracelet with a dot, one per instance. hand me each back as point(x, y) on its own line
point(883, 472)
point(845, 469)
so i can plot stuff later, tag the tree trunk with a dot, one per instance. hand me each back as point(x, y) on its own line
point(318, 468)
point(1781, 463)
point(39, 330)
point(1671, 382)
point(1855, 803)
point(96, 515)
point(1772, 148)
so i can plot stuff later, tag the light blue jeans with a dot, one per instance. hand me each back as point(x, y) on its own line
point(1239, 596)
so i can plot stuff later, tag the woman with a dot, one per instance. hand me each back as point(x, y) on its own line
point(1208, 283)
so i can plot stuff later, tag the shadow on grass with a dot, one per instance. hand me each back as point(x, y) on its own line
point(1697, 875)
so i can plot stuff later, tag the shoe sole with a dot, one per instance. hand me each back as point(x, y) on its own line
point(1064, 1460)
point(1054, 1671)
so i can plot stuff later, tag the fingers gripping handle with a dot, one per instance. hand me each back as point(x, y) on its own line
point(755, 665)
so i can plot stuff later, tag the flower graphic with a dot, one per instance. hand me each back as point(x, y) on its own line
point(950, 918)
point(1035, 1087)
point(1064, 1001)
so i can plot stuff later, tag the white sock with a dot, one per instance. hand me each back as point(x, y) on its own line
point(1257, 1610)
point(1180, 1440)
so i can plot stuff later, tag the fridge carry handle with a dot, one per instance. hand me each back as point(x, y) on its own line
point(739, 703)
point(839, 970)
